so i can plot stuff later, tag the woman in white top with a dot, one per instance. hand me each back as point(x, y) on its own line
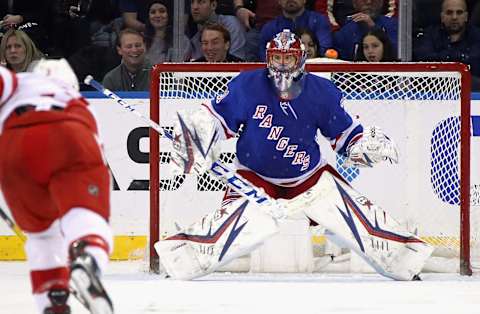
point(159, 34)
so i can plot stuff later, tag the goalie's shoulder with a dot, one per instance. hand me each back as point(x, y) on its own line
point(321, 89)
point(256, 74)
point(320, 79)
point(251, 78)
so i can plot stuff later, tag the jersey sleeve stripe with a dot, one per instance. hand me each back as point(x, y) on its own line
point(352, 133)
point(8, 84)
point(228, 133)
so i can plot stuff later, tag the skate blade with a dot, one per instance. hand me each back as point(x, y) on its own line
point(81, 282)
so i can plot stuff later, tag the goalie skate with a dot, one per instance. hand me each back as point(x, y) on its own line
point(87, 286)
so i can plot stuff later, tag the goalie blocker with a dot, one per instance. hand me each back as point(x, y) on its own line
point(350, 220)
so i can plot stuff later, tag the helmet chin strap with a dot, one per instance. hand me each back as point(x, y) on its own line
point(287, 84)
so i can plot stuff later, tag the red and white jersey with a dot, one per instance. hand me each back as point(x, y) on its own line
point(27, 88)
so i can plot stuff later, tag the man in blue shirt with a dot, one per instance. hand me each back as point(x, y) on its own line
point(368, 16)
point(294, 16)
point(203, 13)
point(452, 40)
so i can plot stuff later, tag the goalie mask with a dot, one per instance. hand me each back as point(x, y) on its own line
point(286, 57)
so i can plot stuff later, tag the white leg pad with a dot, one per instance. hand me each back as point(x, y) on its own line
point(353, 221)
point(219, 237)
point(179, 259)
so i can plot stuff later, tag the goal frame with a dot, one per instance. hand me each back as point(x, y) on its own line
point(465, 126)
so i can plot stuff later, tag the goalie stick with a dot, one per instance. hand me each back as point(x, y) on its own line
point(12, 225)
point(230, 177)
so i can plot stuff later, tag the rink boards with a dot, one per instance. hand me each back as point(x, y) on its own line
point(126, 147)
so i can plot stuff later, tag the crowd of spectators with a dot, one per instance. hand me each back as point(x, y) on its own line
point(117, 41)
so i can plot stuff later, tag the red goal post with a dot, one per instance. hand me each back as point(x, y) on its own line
point(400, 97)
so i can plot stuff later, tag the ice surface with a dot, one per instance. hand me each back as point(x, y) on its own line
point(135, 291)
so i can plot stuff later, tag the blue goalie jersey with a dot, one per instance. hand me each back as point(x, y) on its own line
point(278, 138)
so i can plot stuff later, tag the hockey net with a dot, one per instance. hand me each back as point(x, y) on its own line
point(425, 108)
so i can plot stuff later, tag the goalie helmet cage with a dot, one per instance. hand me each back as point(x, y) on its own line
point(424, 107)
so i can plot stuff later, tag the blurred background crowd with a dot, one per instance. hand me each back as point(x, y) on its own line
point(117, 41)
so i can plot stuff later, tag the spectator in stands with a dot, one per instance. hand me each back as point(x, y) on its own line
point(216, 44)
point(78, 23)
point(134, 13)
point(133, 74)
point(224, 7)
point(427, 12)
point(337, 11)
point(452, 40)
point(202, 12)
point(310, 42)
point(476, 15)
point(159, 33)
point(368, 16)
point(18, 51)
point(93, 60)
point(424, 14)
point(253, 15)
point(100, 56)
point(294, 15)
point(376, 47)
point(27, 15)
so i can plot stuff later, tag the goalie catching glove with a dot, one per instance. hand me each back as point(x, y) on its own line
point(195, 141)
point(373, 147)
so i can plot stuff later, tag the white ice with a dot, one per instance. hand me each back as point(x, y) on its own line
point(135, 291)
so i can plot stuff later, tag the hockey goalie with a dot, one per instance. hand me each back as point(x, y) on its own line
point(281, 110)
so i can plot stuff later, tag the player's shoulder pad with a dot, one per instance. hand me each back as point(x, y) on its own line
point(321, 82)
point(250, 78)
point(254, 73)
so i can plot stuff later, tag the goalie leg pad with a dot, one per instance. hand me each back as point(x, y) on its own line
point(355, 222)
point(219, 237)
point(179, 259)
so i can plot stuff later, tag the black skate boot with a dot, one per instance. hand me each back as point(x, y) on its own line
point(58, 299)
point(85, 282)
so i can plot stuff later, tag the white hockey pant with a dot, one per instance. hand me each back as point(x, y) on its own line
point(219, 237)
point(353, 221)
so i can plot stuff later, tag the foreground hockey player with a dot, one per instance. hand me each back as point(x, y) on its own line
point(277, 111)
point(56, 184)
